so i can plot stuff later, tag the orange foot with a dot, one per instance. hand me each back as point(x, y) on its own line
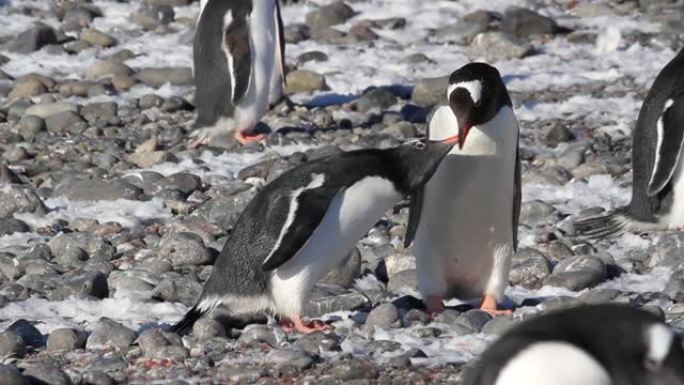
point(434, 305)
point(244, 138)
point(296, 324)
point(489, 305)
point(199, 143)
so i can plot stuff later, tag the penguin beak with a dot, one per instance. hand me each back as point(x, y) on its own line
point(462, 105)
point(451, 140)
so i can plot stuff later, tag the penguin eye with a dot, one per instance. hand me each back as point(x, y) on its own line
point(419, 145)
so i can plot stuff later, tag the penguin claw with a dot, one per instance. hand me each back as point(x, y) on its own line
point(297, 325)
point(489, 306)
point(244, 138)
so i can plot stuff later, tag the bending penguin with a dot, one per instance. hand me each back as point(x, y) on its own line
point(239, 67)
point(464, 221)
point(302, 224)
point(607, 344)
point(658, 183)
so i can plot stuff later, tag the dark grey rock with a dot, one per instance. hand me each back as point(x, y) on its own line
point(65, 245)
point(176, 103)
point(157, 77)
point(179, 289)
point(330, 299)
point(557, 134)
point(150, 101)
point(255, 334)
point(296, 32)
point(599, 296)
point(577, 273)
point(28, 333)
point(317, 343)
point(33, 39)
point(11, 345)
point(474, 319)
point(384, 316)
point(495, 46)
point(346, 273)
point(108, 334)
point(335, 13)
point(535, 212)
point(354, 369)
point(290, 357)
point(224, 211)
point(9, 375)
point(207, 328)
point(30, 126)
point(17, 197)
point(522, 22)
point(315, 56)
point(46, 373)
point(482, 17)
point(675, 286)
point(185, 249)
point(78, 17)
point(66, 121)
point(99, 111)
point(65, 340)
point(499, 325)
point(529, 267)
point(85, 283)
point(10, 226)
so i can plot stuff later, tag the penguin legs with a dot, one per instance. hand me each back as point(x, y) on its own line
point(297, 324)
point(498, 279)
point(434, 304)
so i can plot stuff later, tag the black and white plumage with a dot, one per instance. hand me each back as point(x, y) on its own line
point(657, 184)
point(606, 344)
point(302, 224)
point(239, 64)
point(465, 219)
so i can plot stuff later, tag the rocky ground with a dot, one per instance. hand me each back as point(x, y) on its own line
point(109, 223)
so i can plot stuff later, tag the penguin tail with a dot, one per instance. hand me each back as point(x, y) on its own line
point(612, 224)
point(185, 324)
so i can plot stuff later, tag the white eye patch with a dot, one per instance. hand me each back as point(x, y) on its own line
point(658, 341)
point(474, 88)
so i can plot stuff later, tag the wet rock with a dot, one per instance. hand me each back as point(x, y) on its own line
point(335, 13)
point(86, 283)
point(108, 334)
point(33, 39)
point(94, 246)
point(17, 197)
point(185, 249)
point(207, 328)
point(224, 210)
point(305, 81)
point(381, 98)
point(529, 267)
point(535, 212)
point(79, 17)
point(179, 289)
point(157, 77)
point(522, 22)
point(577, 273)
point(11, 345)
point(557, 134)
point(46, 110)
point(95, 37)
point(65, 340)
point(345, 274)
point(362, 32)
point(495, 46)
point(329, 299)
point(315, 56)
point(96, 190)
point(46, 373)
point(99, 111)
point(10, 226)
point(430, 91)
point(316, 343)
point(384, 316)
point(9, 375)
point(66, 121)
point(290, 357)
point(295, 33)
point(108, 68)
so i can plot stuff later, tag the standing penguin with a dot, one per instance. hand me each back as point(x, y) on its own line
point(465, 219)
point(607, 344)
point(657, 182)
point(239, 64)
point(302, 224)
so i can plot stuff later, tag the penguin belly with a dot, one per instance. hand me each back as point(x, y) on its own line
point(466, 222)
point(349, 217)
point(262, 35)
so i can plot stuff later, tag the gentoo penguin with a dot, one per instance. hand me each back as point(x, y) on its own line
point(465, 219)
point(239, 64)
point(657, 182)
point(607, 344)
point(303, 224)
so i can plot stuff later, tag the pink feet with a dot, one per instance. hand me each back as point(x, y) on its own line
point(296, 324)
point(434, 305)
point(489, 305)
point(244, 138)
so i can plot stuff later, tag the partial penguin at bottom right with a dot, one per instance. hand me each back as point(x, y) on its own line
point(608, 344)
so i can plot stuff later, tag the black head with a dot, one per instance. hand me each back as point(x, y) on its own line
point(476, 93)
point(417, 160)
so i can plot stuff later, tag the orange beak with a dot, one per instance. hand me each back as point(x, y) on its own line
point(451, 140)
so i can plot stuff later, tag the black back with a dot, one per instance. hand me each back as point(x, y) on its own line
point(613, 334)
point(669, 84)
point(213, 97)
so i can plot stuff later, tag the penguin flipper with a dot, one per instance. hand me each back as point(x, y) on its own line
point(236, 43)
point(185, 324)
point(517, 199)
point(280, 43)
point(305, 213)
point(415, 208)
point(670, 140)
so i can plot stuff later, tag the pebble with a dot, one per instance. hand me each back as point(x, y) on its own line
point(178, 289)
point(95, 37)
point(9, 375)
point(529, 267)
point(66, 340)
point(380, 98)
point(11, 345)
point(305, 81)
point(290, 357)
point(47, 373)
point(255, 334)
point(332, 14)
point(241, 374)
point(522, 22)
point(185, 249)
point(108, 68)
point(207, 328)
point(108, 334)
point(384, 316)
point(33, 39)
point(577, 273)
point(495, 46)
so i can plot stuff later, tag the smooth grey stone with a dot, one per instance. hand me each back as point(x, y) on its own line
point(332, 14)
point(108, 334)
point(185, 248)
point(383, 316)
point(11, 345)
point(179, 289)
point(290, 357)
point(529, 267)
point(48, 373)
point(33, 39)
point(65, 339)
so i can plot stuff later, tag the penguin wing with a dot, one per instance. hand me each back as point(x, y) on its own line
point(670, 138)
point(280, 42)
point(517, 198)
point(415, 207)
point(305, 210)
point(239, 54)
